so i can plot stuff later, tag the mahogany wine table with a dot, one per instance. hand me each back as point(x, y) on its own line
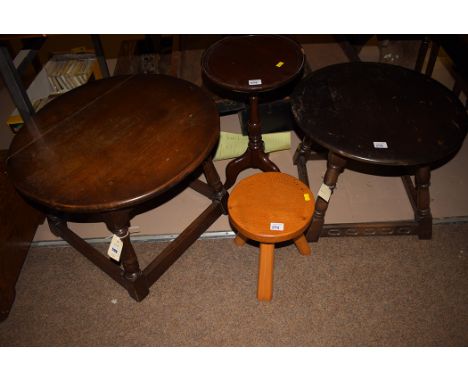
point(379, 115)
point(106, 151)
point(252, 65)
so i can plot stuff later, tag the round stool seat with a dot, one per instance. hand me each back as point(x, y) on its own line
point(271, 207)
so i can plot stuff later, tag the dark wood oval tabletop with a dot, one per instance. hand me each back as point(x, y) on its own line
point(253, 63)
point(113, 143)
point(380, 113)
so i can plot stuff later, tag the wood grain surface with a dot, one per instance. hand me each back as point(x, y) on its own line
point(270, 197)
point(113, 143)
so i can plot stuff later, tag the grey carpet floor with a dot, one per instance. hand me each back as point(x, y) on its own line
point(374, 291)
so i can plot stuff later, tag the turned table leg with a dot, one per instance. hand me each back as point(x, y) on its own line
point(423, 214)
point(335, 165)
point(214, 182)
point(137, 287)
point(300, 158)
point(254, 156)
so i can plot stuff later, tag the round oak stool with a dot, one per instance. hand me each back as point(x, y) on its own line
point(271, 207)
point(252, 66)
point(379, 115)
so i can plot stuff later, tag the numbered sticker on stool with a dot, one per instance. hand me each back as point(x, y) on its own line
point(276, 226)
point(255, 82)
point(115, 248)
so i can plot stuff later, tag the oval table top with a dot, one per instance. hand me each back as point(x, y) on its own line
point(271, 207)
point(380, 113)
point(253, 63)
point(113, 143)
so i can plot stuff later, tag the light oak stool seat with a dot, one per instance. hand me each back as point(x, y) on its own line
point(270, 208)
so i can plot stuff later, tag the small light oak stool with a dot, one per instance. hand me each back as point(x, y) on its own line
point(270, 208)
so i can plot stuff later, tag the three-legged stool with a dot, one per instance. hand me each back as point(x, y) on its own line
point(271, 208)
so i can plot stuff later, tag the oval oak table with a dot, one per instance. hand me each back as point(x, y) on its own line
point(252, 65)
point(106, 151)
point(381, 115)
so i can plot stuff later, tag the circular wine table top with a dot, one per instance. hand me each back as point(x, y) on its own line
point(113, 143)
point(271, 207)
point(253, 63)
point(380, 113)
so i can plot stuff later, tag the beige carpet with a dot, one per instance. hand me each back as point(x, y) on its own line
point(390, 291)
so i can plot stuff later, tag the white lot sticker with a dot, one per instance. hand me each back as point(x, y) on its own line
point(255, 82)
point(276, 226)
point(380, 145)
point(325, 192)
point(115, 248)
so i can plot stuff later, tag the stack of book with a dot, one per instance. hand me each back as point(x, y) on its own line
point(68, 71)
point(64, 71)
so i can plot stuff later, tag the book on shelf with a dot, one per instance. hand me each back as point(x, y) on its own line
point(67, 71)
